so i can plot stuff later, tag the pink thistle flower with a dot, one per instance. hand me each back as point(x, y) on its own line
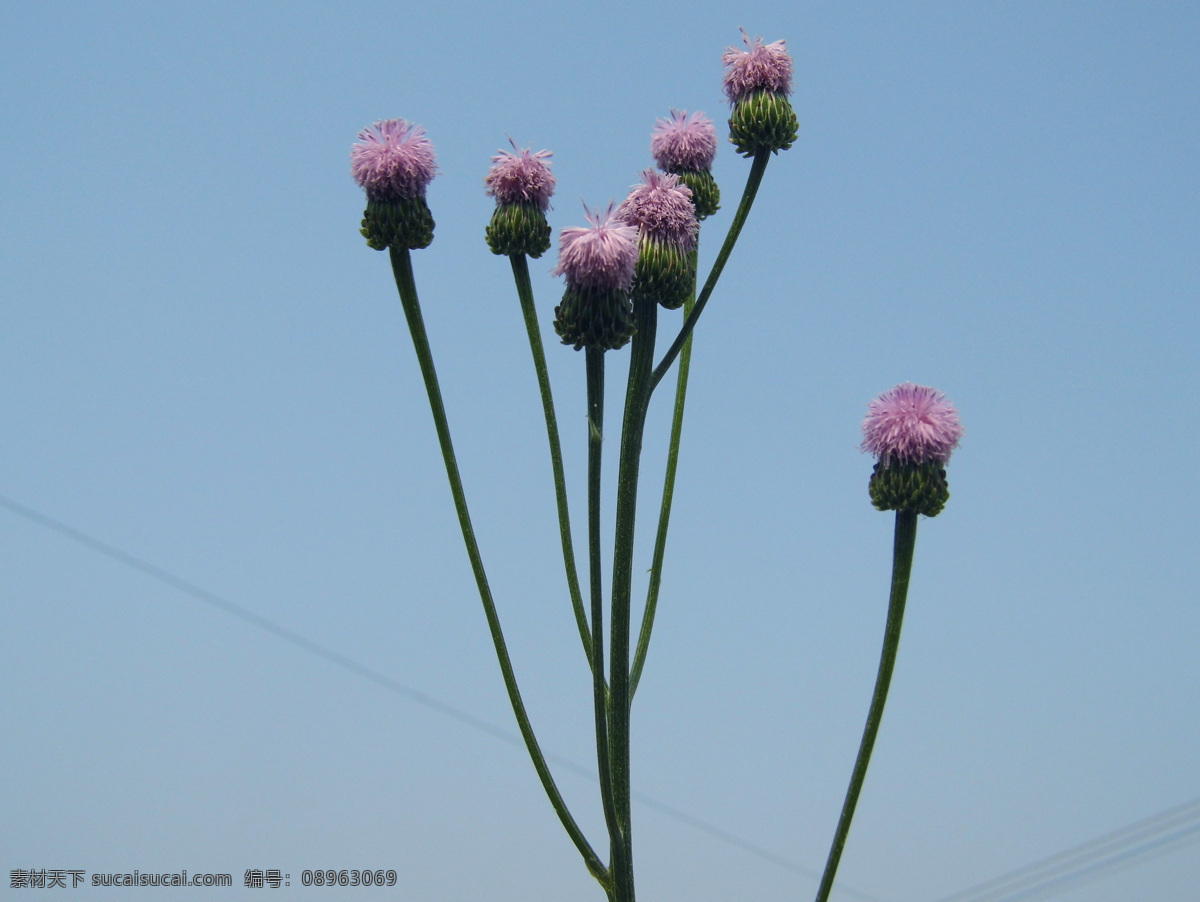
point(662, 208)
point(521, 177)
point(911, 424)
point(684, 142)
point(602, 255)
point(393, 161)
point(759, 67)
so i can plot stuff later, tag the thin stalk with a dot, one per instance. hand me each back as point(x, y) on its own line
point(595, 402)
point(406, 285)
point(664, 510)
point(637, 399)
point(520, 268)
point(753, 180)
point(902, 556)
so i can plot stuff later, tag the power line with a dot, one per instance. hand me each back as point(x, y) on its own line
point(336, 658)
point(1133, 844)
point(1124, 847)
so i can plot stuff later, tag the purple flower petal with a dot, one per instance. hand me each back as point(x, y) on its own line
point(602, 255)
point(759, 67)
point(521, 177)
point(684, 142)
point(662, 208)
point(393, 160)
point(911, 423)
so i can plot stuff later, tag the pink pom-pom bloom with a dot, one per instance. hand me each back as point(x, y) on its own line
point(601, 255)
point(911, 424)
point(684, 142)
point(393, 161)
point(521, 177)
point(662, 208)
point(759, 67)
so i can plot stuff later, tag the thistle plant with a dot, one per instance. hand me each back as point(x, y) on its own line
point(598, 262)
point(661, 208)
point(522, 184)
point(911, 429)
point(393, 161)
point(685, 146)
point(758, 81)
point(619, 269)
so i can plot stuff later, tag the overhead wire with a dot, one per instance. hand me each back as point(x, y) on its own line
point(386, 682)
point(1124, 847)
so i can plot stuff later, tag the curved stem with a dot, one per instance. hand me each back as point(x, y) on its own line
point(520, 268)
point(664, 511)
point(406, 285)
point(595, 401)
point(902, 555)
point(753, 180)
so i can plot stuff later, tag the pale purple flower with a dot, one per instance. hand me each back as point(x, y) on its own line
point(393, 161)
point(662, 208)
point(759, 67)
point(601, 255)
point(912, 424)
point(684, 142)
point(521, 177)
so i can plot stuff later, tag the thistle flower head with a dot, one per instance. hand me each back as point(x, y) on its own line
point(661, 207)
point(393, 161)
point(521, 176)
point(684, 142)
point(759, 67)
point(911, 424)
point(601, 255)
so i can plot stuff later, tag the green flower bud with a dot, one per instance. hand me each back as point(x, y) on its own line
point(665, 273)
point(908, 486)
point(594, 318)
point(519, 228)
point(706, 196)
point(764, 120)
point(403, 223)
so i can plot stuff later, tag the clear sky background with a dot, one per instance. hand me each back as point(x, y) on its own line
point(203, 366)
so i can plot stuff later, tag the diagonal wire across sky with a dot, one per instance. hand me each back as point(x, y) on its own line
point(1124, 847)
point(1102, 856)
point(383, 680)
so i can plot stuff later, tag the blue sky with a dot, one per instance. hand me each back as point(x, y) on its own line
point(207, 369)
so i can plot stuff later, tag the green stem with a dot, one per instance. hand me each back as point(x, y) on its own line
point(664, 511)
point(753, 180)
point(520, 268)
point(637, 399)
point(406, 285)
point(595, 401)
point(902, 556)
